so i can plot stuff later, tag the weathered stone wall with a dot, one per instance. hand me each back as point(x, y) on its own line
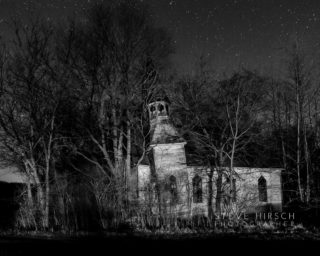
point(248, 187)
point(169, 158)
point(247, 193)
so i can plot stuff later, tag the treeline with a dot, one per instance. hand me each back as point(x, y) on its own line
point(73, 117)
point(256, 120)
point(72, 102)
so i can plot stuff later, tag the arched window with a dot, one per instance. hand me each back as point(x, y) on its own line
point(173, 188)
point(167, 109)
point(160, 108)
point(197, 189)
point(152, 108)
point(262, 187)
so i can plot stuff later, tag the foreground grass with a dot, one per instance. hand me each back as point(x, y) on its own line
point(299, 234)
point(147, 243)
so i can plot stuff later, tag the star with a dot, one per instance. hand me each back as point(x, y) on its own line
point(255, 29)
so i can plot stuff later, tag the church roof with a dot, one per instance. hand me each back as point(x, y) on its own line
point(159, 94)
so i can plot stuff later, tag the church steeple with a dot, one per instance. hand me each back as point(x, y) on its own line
point(158, 108)
point(161, 129)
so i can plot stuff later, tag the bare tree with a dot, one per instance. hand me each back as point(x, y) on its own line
point(115, 58)
point(29, 102)
point(220, 118)
point(299, 78)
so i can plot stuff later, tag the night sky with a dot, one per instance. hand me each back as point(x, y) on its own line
point(231, 33)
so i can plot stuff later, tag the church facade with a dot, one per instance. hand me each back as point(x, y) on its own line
point(168, 184)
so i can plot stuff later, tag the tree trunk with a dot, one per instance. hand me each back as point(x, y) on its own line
point(32, 170)
point(210, 195)
point(30, 198)
point(219, 192)
point(128, 160)
point(47, 198)
point(280, 127)
point(298, 143)
point(307, 158)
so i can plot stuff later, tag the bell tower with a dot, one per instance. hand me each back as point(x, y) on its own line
point(158, 109)
point(166, 143)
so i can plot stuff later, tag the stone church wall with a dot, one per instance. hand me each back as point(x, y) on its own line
point(247, 192)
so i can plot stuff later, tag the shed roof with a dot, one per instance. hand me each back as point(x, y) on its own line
point(12, 174)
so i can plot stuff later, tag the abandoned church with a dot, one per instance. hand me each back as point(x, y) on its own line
point(183, 188)
point(166, 181)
